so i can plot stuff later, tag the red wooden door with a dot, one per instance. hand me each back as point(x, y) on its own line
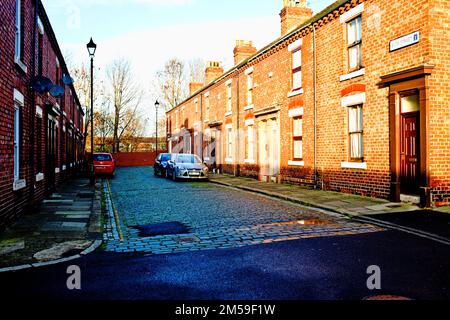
point(410, 153)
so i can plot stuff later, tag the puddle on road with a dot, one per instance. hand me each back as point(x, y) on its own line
point(308, 222)
point(161, 229)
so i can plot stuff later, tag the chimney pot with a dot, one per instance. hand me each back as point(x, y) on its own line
point(244, 49)
point(293, 14)
point(194, 87)
point(213, 71)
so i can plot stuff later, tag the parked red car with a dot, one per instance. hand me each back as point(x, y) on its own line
point(104, 164)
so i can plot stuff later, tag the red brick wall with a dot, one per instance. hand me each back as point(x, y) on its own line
point(136, 159)
point(382, 21)
point(440, 101)
point(13, 203)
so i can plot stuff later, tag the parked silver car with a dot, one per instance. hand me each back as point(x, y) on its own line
point(186, 166)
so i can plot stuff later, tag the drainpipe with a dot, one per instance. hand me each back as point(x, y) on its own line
point(238, 168)
point(315, 106)
point(33, 105)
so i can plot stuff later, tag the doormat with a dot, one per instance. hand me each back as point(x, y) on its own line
point(160, 229)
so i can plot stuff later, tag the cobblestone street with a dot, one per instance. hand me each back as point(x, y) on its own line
point(214, 216)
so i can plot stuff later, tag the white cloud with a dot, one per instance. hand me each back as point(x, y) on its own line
point(149, 49)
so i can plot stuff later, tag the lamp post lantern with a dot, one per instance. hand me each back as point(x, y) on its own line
point(92, 47)
point(156, 109)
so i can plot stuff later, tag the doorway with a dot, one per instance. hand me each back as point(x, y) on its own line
point(269, 150)
point(410, 143)
point(50, 155)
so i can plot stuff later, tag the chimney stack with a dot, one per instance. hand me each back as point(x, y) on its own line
point(243, 50)
point(213, 71)
point(194, 87)
point(293, 14)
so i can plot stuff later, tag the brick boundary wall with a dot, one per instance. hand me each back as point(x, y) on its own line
point(135, 159)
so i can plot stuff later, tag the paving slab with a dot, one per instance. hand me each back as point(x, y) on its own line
point(63, 217)
point(74, 225)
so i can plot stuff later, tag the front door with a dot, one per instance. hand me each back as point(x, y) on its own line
point(268, 149)
point(273, 148)
point(410, 144)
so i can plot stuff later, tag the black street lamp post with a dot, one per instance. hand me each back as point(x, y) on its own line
point(92, 47)
point(156, 109)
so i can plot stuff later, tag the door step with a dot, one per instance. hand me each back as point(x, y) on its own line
point(410, 199)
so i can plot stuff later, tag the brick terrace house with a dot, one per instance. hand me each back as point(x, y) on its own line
point(354, 99)
point(40, 135)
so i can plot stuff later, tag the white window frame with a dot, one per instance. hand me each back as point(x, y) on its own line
point(19, 102)
point(356, 44)
point(297, 69)
point(250, 144)
point(358, 130)
point(229, 99)
point(229, 148)
point(207, 107)
point(297, 138)
point(19, 37)
point(18, 25)
point(250, 87)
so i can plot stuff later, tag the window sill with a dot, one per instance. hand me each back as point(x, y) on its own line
point(229, 160)
point(20, 64)
point(354, 74)
point(249, 107)
point(249, 161)
point(228, 114)
point(296, 163)
point(19, 185)
point(294, 93)
point(354, 165)
point(39, 177)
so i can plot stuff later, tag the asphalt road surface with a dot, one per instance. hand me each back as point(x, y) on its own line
point(280, 260)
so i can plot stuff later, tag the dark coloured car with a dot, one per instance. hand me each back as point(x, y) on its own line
point(160, 166)
point(186, 166)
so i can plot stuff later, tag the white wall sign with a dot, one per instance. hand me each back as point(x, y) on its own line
point(405, 41)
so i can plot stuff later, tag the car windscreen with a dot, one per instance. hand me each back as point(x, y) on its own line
point(165, 157)
point(188, 158)
point(102, 157)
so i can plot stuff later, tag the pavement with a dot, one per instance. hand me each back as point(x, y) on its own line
point(342, 203)
point(202, 216)
point(65, 225)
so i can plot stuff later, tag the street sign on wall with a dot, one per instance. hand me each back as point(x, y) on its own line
point(405, 41)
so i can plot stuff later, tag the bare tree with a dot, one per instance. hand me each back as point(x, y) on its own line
point(103, 127)
point(82, 85)
point(197, 70)
point(171, 84)
point(132, 137)
point(125, 97)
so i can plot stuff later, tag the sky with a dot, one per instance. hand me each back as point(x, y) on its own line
point(149, 32)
